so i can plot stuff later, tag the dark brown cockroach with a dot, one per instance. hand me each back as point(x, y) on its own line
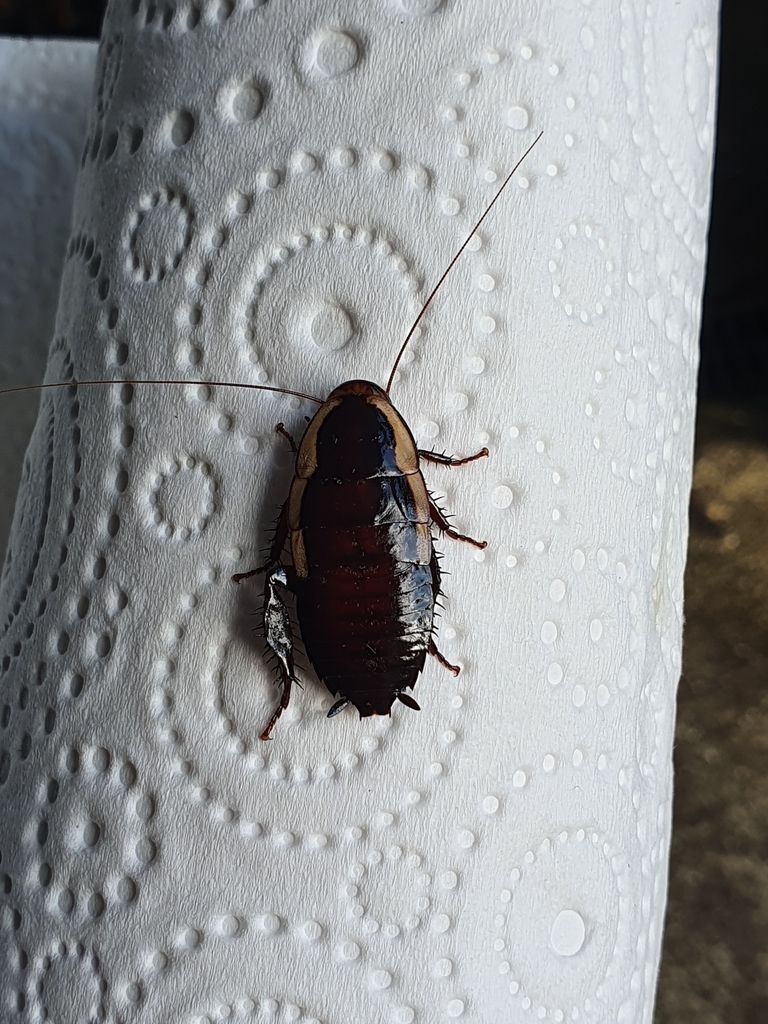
point(358, 521)
point(364, 573)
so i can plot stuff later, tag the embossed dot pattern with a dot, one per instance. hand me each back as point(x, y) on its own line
point(245, 101)
point(158, 233)
point(256, 206)
point(182, 497)
point(332, 53)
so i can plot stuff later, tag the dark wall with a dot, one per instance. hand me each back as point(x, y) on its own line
point(79, 18)
point(734, 341)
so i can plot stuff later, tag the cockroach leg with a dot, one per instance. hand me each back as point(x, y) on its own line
point(280, 429)
point(337, 707)
point(283, 704)
point(276, 549)
point(434, 567)
point(445, 527)
point(448, 460)
point(240, 576)
point(432, 649)
point(279, 636)
point(280, 537)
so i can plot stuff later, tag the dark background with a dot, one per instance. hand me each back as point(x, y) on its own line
point(78, 18)
point(715, 960)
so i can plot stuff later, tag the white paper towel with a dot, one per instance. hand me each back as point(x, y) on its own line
point(267, 194)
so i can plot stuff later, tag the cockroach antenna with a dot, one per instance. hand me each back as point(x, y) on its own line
point(197, 383)
point(453, 262)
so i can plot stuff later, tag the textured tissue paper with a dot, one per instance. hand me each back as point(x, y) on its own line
point(267, 194)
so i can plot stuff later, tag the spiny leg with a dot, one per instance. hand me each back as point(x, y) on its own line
point(448, 460)
point(438, 518)
point(279, 637)
point(434, 568)
point(280, 429)
point(276, 549)
point(432, 649)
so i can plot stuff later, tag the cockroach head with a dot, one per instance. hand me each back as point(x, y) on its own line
point(357, 387)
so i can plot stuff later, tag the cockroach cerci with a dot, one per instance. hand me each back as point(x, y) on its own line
point(358, 522)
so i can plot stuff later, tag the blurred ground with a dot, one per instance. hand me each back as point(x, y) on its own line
point(715, 963)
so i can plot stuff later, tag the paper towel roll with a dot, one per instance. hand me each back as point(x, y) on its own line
point(267, 194)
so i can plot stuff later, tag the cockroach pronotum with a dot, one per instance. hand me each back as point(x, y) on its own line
point(358, 520)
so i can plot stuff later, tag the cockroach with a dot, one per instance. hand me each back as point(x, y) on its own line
point(358, 521)
point(364, 572)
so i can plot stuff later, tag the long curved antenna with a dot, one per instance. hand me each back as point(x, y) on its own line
point(199, 383)
point(450, 266)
